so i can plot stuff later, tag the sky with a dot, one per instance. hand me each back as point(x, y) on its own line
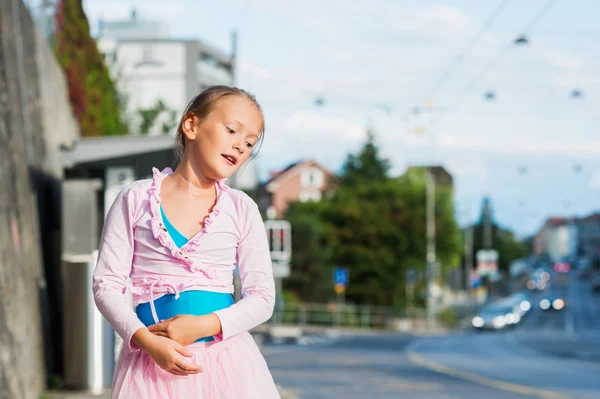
point(375, 62)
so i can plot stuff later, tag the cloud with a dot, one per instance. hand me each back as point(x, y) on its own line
point(594, 181)
point(254, 70)
point(314, 127)
point(437, 21)
point(562, 60)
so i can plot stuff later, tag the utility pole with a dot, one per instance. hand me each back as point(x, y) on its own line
point(233, 180)
point(487, 225)
point(431, 257)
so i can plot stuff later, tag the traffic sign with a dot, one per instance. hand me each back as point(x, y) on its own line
point(340, 288)
point(340, 276)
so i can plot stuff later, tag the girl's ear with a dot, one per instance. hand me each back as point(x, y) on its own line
point(190, 126)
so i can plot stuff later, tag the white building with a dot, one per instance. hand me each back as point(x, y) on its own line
point(558, 238)
point(133, 28)
point(149, 66)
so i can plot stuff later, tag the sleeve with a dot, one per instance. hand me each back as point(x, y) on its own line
point(256, 274)
point(113, 267)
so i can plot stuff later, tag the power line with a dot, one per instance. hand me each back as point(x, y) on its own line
point(460, 59)
point(542, 11)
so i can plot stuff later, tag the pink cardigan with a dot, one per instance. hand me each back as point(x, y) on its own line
point(135, 244)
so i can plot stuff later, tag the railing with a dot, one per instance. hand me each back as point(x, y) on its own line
point(338, 315)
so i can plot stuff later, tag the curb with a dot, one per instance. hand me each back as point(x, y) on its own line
point(419, 360)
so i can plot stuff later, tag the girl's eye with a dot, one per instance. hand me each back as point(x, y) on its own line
point(230, 130)
point(250, 145)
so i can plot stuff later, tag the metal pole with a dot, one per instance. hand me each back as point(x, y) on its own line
point(431, 256)
point(233, 179)
point(469, 260)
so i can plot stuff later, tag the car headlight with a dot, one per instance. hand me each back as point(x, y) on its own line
point(499, 321)
point(478, 322)
point(558, 304)
point(525, 306)
point(545, 304)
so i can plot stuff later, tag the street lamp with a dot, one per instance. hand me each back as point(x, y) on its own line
point(489, 95)
point(521, 41)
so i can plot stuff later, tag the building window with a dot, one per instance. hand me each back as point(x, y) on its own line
point(147, 54)
point(147, 58)
point(312, 177)
point(306, 196)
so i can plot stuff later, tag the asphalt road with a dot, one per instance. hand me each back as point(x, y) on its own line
point(551, 355)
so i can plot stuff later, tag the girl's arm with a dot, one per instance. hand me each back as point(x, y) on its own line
point(114, 265)
point(256, 273)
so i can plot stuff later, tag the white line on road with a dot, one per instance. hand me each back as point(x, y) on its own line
point(569, 316)
point(570, 324)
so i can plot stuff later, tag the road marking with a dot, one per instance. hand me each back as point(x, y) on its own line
point(569, 324)
point(490, 382)
point(569, 316)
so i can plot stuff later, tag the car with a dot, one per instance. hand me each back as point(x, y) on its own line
point(562, 267)
point(596, 283)
point(523, 302)
point(539, 280)
point(496, 317)
point(552, 302)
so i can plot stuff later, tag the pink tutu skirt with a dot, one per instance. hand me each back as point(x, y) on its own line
point(233, 369)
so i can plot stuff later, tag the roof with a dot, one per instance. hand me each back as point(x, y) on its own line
point(275, 175)
point(289, 171)
point(91, 149)
point(592, 217)
point(441, 174)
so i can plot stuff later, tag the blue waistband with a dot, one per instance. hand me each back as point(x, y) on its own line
point(197, 303)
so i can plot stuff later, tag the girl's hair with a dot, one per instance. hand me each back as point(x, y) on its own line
point(203, 104)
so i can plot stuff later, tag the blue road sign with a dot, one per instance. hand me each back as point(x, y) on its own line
point(340, 276)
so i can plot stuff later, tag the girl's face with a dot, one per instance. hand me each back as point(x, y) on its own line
point(223, 141)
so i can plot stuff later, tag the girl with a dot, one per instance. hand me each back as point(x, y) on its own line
point(179, 236)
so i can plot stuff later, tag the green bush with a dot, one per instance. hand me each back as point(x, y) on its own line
point(448, 317)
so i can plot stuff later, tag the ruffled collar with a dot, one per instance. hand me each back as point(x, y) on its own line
point(160, 232)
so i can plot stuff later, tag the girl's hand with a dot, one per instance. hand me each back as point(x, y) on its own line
point(168, 354)
point(184, 329)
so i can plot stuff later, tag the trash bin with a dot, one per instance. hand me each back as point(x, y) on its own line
point(88, 339)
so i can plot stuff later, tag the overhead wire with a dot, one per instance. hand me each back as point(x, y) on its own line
point(493, 64)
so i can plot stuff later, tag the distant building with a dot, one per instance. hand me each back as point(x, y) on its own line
point(441, 176)
point(558, 239)
point(589, 237)
point(132, 28)
point(301, 181)
point(149, 66)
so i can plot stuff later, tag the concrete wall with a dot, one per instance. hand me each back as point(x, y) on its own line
point(59, 124)
point(35, 119)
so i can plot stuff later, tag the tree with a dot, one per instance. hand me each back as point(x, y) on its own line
point(366, 165)
point(92, 93)
point(311, 278)
point(502, 240)
point(167, 118)
point(373, 225)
